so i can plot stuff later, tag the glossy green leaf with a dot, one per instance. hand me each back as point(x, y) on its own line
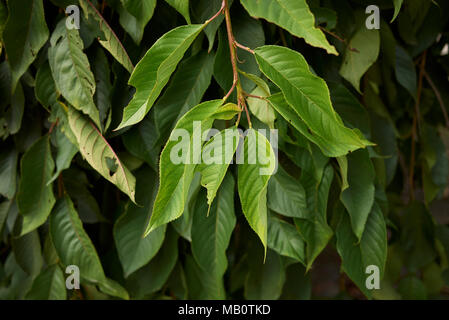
point(397, 8)
point(257, 163)
point(45, 89)
point(217, 155)
point(27, 250)
point(261, 108)
point(24, 35)
point(265, 280)
point(211, 230)
point(35, 198)
point(154, 70)
point(72, 243)
point(111, 41)
point(315, 230)
point(133, 249)
point(175, 178)
point(370, 250)
point(405, 71)
point(154, 275)
point(137, 15)
point(285, 239)
point(286, 195)
point(185, 91)
point(49, 285)
point(71, 70)
point(8, 172)
point(289, 70)
point(361, 53)
point(358, 198)
point(64, 154)
point(291, 15)
point(96, 150)
point(182, 6)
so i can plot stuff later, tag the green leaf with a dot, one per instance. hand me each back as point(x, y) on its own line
point(72, 243)
point(257, 163)
point(27, 250)
point(8, 172)
point(309, 98)
point(95, 149)
point(141, 142)
point(397, 8)
point(353, 113)
point(185, 91)
point(315, 230)
point(154, 70)
point(405, 71)
point(291, 15)
point(113, 288)
point(111, 41)
point(182, 6)
point(45, 90)
point(134, 250)
point(361, 53)
point(286, 195)
point(217, 155)
point(102, 95)
point(211, 230)
point(285, 239)
point(358, 198)
point(35, 198)
point(15, 113)
point(370, 250)
point(5, 207)
point(136, 17)
point(183, 225)
point(175, 178)
point(65, 152)
point(412, 288)
point(49, 285)
point(265, 280)
point(155, 274)
point(71, 70)
point(205, 9)
point(24, 35)
point(202, 285)
point(262, 109)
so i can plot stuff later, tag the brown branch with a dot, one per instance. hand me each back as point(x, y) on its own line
point(416, 124)
point(438, 95)
point(339, 39)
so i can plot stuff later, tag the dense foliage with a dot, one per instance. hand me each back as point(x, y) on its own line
point(87, 126)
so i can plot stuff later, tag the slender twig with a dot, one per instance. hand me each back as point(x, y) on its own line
point(254, 96)
point(53, 125)
point(339, 39)
point(438, 95)
point(243, 47)
point(416, 124)
point(247, 113)
point(223, 4)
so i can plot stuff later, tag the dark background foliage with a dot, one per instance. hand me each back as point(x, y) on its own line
point(402, 107)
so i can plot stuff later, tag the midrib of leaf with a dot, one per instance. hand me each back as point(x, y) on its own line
point(72, 49)
point(112, 32)
point(115, 155)
point(84, 245)
point(164, 63)
point(28, 29)
point(307, 97)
